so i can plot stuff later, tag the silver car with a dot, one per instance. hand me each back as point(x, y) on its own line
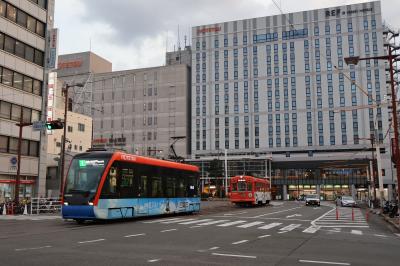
point(345, 201)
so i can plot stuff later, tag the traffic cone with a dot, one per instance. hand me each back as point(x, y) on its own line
point(25, 210)
point(4, 209)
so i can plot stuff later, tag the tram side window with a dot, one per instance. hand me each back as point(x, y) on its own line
point(143, 187)
point(170, 187)
point(127, 181)
point(249, 186)
point(234, 187)
point(191, 187)
point(181, 188)
point(156, 187)
point(110, 185)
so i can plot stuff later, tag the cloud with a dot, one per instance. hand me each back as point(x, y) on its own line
point(133, 33)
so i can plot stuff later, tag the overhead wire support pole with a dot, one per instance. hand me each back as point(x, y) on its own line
point(62, 154)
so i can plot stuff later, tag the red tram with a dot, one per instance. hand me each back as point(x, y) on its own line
point(249, 190)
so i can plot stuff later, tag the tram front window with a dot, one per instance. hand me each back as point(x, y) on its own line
point(84, 176)
point(241, 186)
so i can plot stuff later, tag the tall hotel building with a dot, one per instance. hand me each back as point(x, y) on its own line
point(277, 89)
point(23, 30)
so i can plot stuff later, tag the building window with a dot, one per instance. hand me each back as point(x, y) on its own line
point(81, 127)
point(69, 128)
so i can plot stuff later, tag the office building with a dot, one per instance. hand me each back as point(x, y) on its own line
point(276, 89)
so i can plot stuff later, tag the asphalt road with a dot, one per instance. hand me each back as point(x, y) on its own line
point(286, 233)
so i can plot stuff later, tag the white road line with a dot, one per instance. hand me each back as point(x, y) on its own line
point(269, 226)
point(213, 248)
point(91, 241)
point(195, 226)
point(235, 213)
point(276, 212)
point(312, 229)
point(143, 234)
point(290, 227)
point(214, 222)
point(231, 223)
point(34, 248)
point(380, 235)
point(153, 260)
point(178, 221)
point(168, 230)
point(347, 226)
point(263, 236)
point(240, 242)
point(234, 255)
point(162, 220)
point(356, 232)
point(196, 221)
point(397, 235)
point(249, 224)
point(324, 262)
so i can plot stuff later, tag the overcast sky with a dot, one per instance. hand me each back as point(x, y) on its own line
point(136, 33)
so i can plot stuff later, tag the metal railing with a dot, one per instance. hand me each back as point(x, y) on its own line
point(44, 205)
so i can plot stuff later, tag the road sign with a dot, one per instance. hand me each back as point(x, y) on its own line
point(39, 125)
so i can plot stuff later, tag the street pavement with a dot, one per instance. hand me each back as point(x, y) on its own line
point(283, 233)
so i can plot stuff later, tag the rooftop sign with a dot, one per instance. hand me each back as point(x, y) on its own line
point(207, 30)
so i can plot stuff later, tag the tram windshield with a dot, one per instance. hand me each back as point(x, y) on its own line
point(84, 175)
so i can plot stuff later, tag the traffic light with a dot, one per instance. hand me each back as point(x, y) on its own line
point(55, 124)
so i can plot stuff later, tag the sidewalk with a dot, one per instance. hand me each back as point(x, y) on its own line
point(395, 222)
point(215, 204)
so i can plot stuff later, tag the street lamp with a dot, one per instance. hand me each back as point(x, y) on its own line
point(65, 92)
point(391, 57)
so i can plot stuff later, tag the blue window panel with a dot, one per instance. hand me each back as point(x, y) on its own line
point(338, 28)
point(350, 27)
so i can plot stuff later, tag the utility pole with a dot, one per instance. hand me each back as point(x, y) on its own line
point(226, 172)
point(21, 124)
point(395, 123)
point(391, 58)
point(62, 154)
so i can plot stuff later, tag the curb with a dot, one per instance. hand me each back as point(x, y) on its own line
point(386, 218)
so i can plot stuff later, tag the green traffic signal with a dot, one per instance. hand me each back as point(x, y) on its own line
point(55, 124)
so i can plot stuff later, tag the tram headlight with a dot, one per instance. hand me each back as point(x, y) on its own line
point(66, 203)
point(90, 203)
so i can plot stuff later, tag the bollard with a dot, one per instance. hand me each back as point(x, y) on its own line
point(337, 213)
point(4, 209)
point(352, 213)
point(25, 210)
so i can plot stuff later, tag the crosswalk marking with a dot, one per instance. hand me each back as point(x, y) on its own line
point(250, 224)
point(214, 222)
point(312, 229)
point(162, 220)
point(354, 228)
point(269, 226)
point(290, 227)
point(177, 221)
point(231, 223)
point(356, 232)
point(196, 221)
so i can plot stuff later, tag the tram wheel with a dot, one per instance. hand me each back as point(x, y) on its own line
point(80, 221)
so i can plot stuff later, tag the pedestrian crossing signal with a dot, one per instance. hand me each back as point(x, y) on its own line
point(55, 124)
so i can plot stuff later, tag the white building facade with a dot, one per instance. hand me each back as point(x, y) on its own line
point(23, 30)
point(278, 87)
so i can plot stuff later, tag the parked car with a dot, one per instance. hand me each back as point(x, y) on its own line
point(313, 199)
point(346, 201)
